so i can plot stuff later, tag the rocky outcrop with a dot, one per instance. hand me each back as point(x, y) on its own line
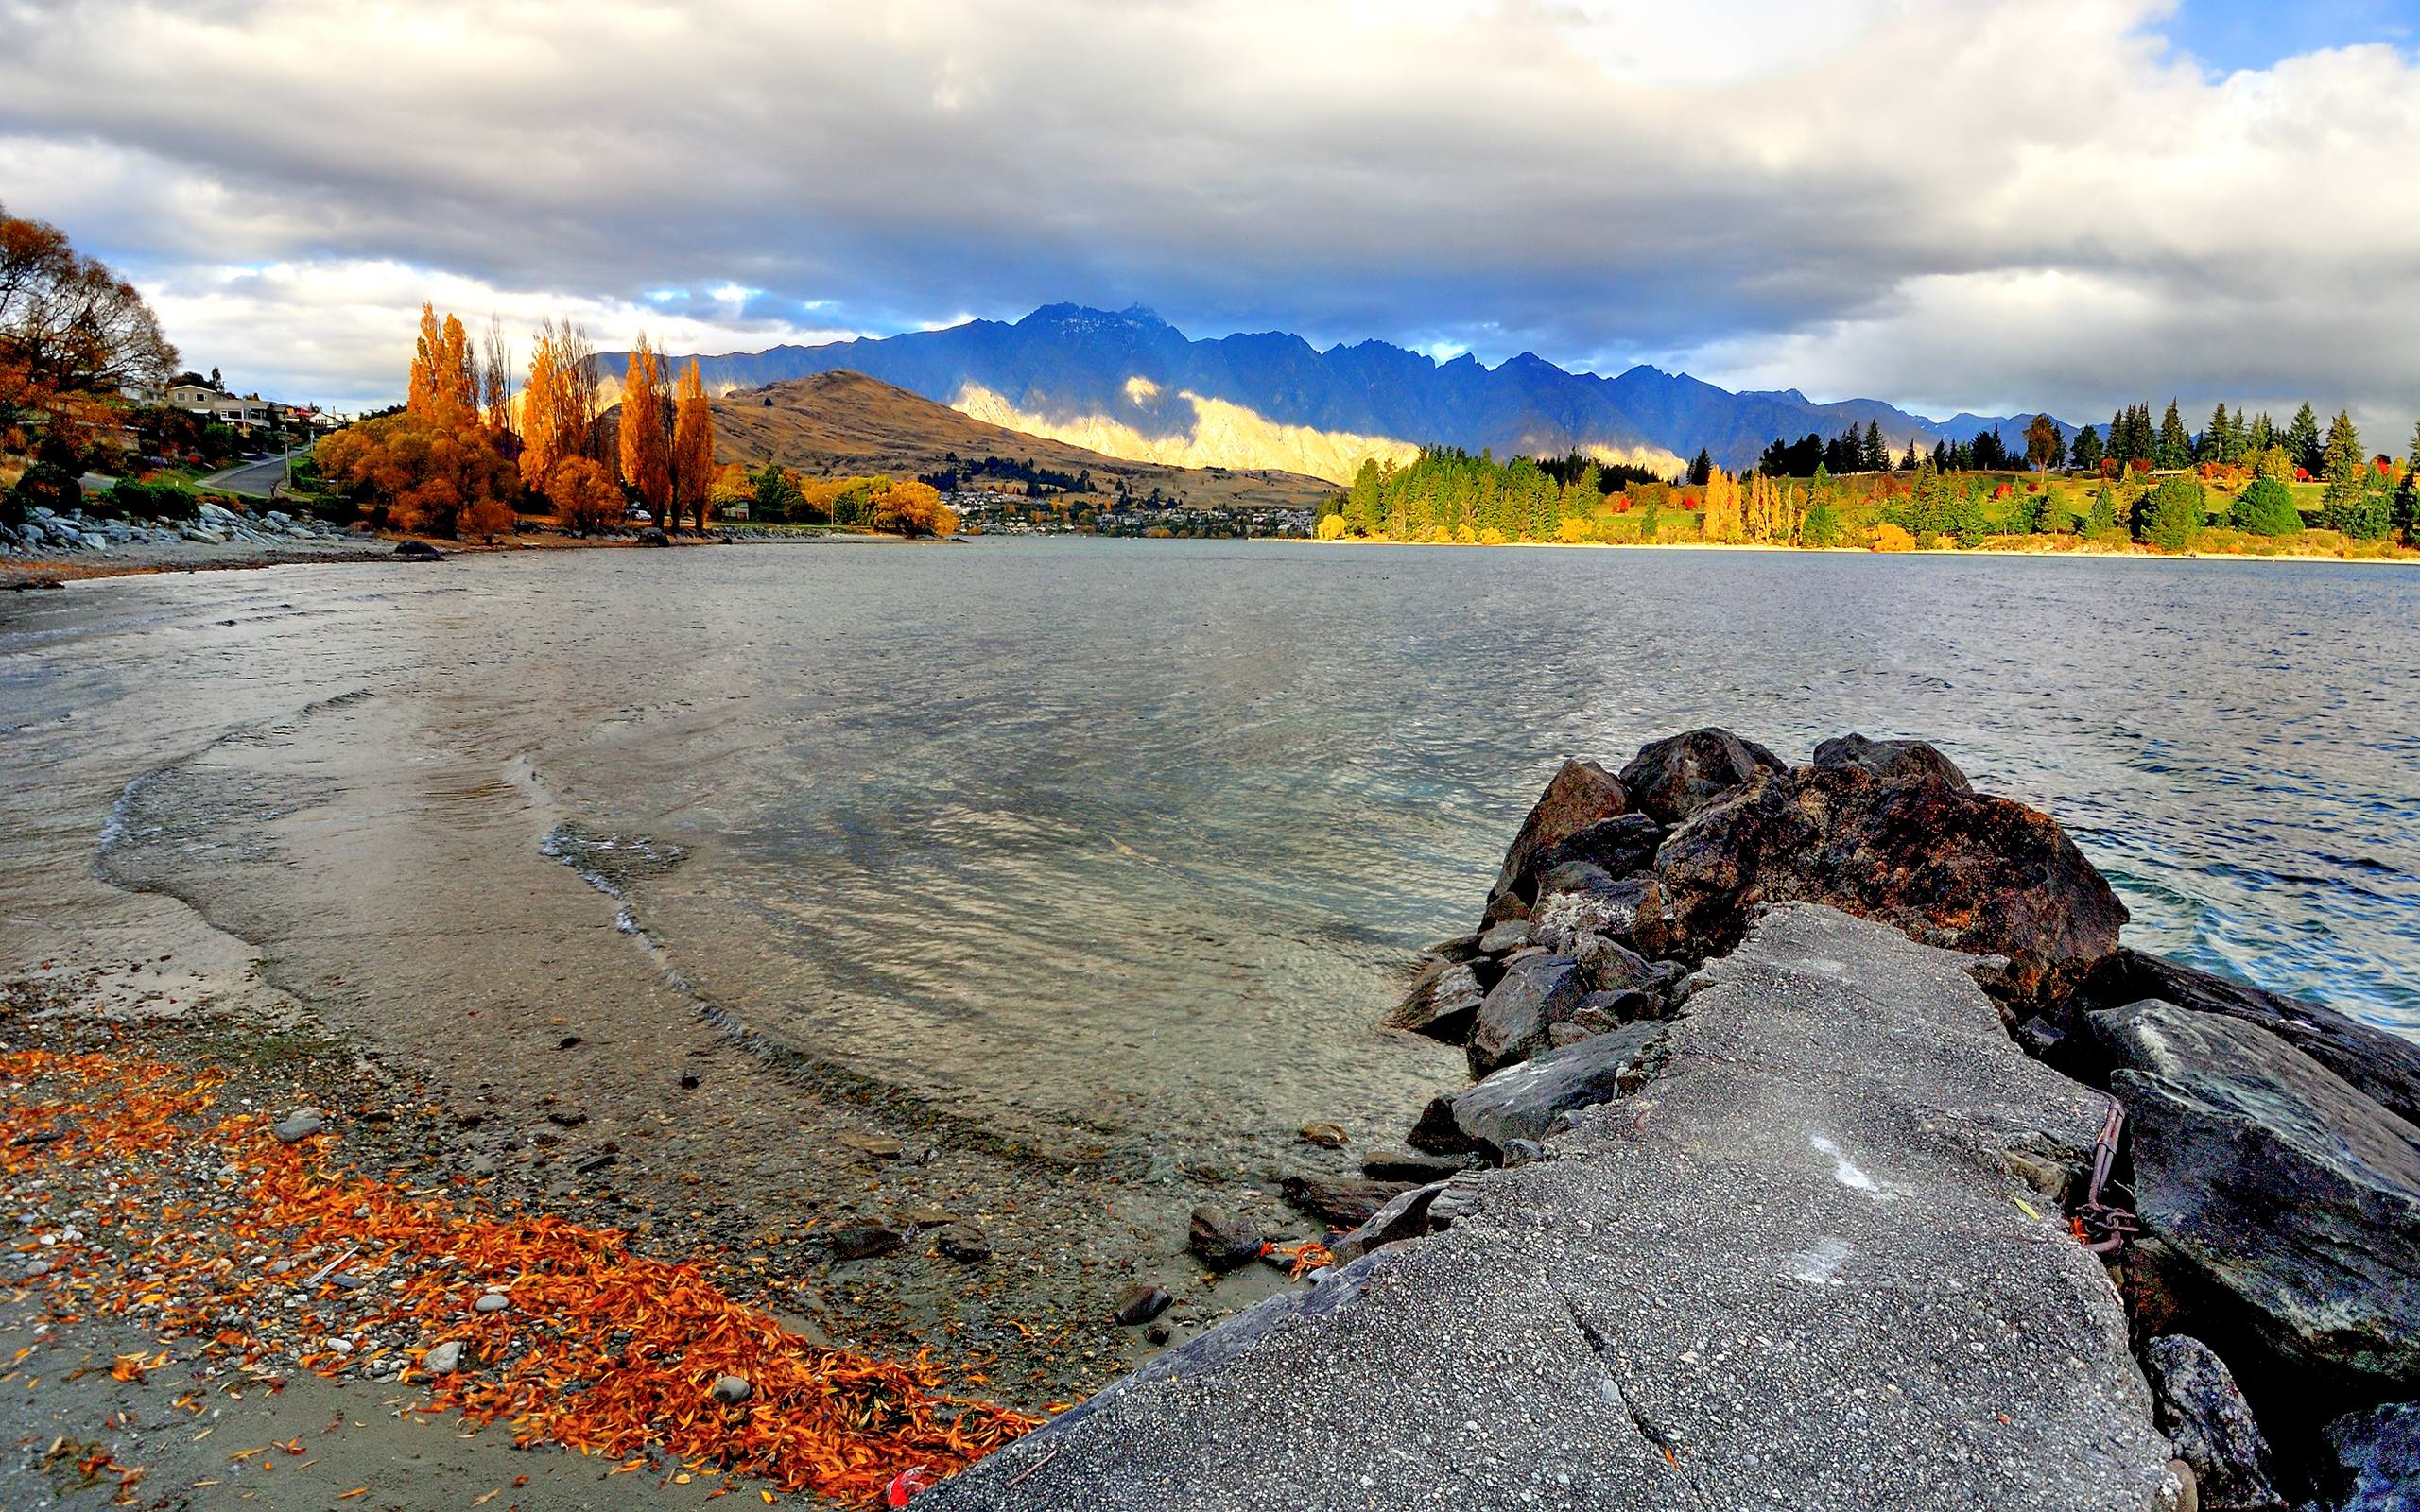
point(1443, 1004)
point(2279, 1185)
point(2202, 1410)
point(1673, 778)
point(2385, 1067)
point(1792, 1271)
point(1948, 867)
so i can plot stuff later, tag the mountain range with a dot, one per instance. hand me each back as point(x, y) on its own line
point(1127, 384)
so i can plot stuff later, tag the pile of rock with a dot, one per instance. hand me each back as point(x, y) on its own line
point(46, 533)
point(2272, 1142)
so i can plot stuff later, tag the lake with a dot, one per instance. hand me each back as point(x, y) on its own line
point(1131, 841)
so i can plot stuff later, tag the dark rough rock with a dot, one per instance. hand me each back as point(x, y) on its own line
point(1604, 1012)
point(1535, 995)
point(1619, 846)
point(1342, 1201)
point(1403, 1217)
point(1141, 1302)
point(1504, 908)
point(963, 1243)
point(417, 551)
point(1578, 795)
point(1508, 936)
point(1580, 899)
point(1673, 778)
point(1461, 947)
point(864, 1241)
point(1521, 1101)
point(2385, 1067)
point(1435, 1132)
point(1609, 965)
point(1411, 1166)
point(1892, 760)
point(1948, 867)
point(1792, 1262)
point(1442, 1004)
point(1222, 1241)
point(2278, 1184)
point(2199, 1406)
point(2376, 1460)
point(654, 536)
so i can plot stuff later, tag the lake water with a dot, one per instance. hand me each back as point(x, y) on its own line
point(1134, 839)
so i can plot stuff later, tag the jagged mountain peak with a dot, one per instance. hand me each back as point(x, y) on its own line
point(1270, 399)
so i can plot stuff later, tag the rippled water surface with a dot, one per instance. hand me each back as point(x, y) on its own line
point(1133, 837)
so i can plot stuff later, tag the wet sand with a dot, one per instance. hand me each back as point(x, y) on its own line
point(420, 935)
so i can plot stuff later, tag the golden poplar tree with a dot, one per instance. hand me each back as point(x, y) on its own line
point(457, 379)
point(545, 401)
point(646, 444)
point(420, 394)
point(693, 445)
point(1722, 520)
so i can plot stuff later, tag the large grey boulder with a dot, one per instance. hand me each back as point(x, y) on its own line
point(2375, 1460)
point(2276, 1183)
point(1673, 778)
point(1792, 1272)
point(2200, 1407)
point(1517, 1019)
point(2385, 1067)
point(1522, 1102)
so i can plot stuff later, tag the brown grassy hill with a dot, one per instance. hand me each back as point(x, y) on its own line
point(834, 424)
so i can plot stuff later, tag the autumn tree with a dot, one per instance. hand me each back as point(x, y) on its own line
point(2044, 447)
point(913, 508)
point(584, 495)
point(1724, 520)
point(693, 445)
point(496, 377)
point(71, 333)
point(646, 440)
point(436, 467)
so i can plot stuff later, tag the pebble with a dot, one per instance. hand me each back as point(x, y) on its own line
point(1142, 1302)
point(965, 1244)
point(299, 1125)
point(1327, 1136)
point(731, 1390)
point(492, 1302)
point(443, 1360)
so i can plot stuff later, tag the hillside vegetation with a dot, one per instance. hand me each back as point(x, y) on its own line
point(843, 424)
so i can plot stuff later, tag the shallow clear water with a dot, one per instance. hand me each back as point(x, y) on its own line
point(1133, 839)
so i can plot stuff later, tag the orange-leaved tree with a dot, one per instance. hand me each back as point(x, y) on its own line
point(646, 442)
point(584, 495)
point(437, 467)
point(1722, 514)
point(693, 445)
point(913, 508)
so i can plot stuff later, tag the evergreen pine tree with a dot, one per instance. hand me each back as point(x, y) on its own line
point(2174, 448)
point(2085, 451)
point(2344, 448)
point(2211, 446)
point(2263, 435)
point(2302, 441)
point(1877, 460)
point(1912, 460)
point(1701, 468)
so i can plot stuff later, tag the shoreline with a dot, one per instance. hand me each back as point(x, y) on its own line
point(2408, 559)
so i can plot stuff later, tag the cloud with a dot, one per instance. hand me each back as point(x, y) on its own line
point(1967, 205)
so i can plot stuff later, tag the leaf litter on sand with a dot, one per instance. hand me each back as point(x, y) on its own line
point(198, 1221)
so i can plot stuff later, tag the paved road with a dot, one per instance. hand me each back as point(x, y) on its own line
point(1790, 1272)
point(252, 479)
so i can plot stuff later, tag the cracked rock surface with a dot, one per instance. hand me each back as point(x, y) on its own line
point(1793, 1270)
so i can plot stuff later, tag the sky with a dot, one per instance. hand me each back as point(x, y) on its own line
point(1995, 205)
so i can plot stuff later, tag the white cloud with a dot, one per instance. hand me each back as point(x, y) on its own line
point(1966, 204)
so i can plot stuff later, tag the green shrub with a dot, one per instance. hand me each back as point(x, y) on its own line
point(2267, 509)
point(46, 484)
point(2175, 514)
